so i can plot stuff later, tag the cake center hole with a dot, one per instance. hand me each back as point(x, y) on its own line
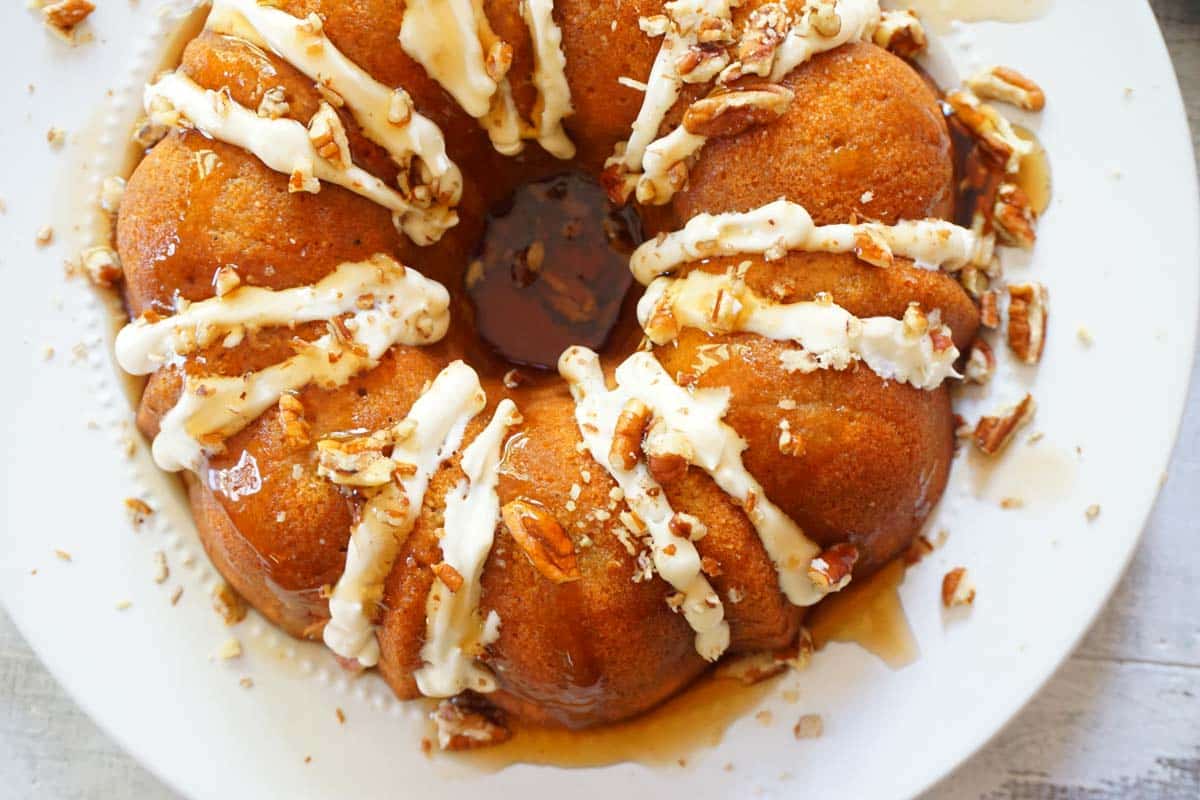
point(552, 270)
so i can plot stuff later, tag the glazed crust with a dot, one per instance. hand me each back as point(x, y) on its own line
point(875, 457)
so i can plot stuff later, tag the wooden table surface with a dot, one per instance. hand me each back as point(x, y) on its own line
point(1121, 719)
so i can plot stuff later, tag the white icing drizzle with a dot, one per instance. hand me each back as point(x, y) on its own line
point(142, 346)
point(830, 336)
point(859, 19)
point(654, 186)
point(454, 631)
point(596, 412)
point(781, 226)
point(664, 82)
point(282, 144)
point(449, 38)
point(443, 37)
point(691, 424)
point(302, 43)
point(652, 161)
point(407, 308)
point(549, 77)
point(437, 421)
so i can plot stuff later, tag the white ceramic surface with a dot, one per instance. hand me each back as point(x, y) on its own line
point(1118, 249)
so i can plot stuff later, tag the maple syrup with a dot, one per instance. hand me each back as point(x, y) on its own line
point(552, 270)
point(868, 613)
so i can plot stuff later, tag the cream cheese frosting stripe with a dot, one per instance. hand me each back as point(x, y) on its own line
point(282, 144)
point(404, 135)
point(405, 308)
point(455, 43)
point(454, 630)
point(675, 558)
point(653, 158)
point(691, 424)
point(664, 82)
point(549, 78)
point(858, 20)
point(380, 284)
point(916, 350)
point(782, 226)
point(433, 430)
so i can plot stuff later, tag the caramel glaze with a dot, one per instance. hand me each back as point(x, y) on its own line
point(876, 454)
point(552, 270)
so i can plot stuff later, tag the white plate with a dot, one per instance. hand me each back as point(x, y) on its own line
point(1119, 251)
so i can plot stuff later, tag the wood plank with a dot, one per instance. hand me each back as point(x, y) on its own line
point(1101, 730)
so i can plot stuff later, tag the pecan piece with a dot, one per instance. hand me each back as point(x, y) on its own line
point(1008, 86)
point(1027, 315)
point(1013, 217)
point(666, 467)
point(989, 309)
point(631, 426)
point(466, 722)
point(993, 433)
point(728, 113)
point(993, 132)
point(900, 33)
point(296, 431)
point(543, 539)
point(981, 364)
point(831, 570)
point(957, 589)
point(448, 575)
point(64, 16)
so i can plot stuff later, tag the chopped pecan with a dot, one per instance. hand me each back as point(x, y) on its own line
point(831, 570)
point(448, 575)
point(274, 104)
point(700, 63)
point(993, 433)
point(1008, 86)
point(101, 265)
point(631, 426)
point(687, 526)
point(666, 467)
point(901, 33)
point(870, 246)
point(989, 309)
point(957, 589)
point(498, 61)
point(228, 603)
point(296, 431)
point(542, 538)
point(728, 113)
point(825, 19)
point(981, 364)
point(328, 136)
point(1013, 217)
point(63, 16)
point(1027, 315)
point(993, 132)
point(765, 30)
point(466, 722)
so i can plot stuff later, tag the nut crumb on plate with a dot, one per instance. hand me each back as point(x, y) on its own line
point(138, 510)
point(229, 649)
point(957, 588)
point(62, 17)
point(228, 603)
point(809, 726)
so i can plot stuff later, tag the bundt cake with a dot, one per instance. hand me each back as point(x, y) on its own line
point(329, 191)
